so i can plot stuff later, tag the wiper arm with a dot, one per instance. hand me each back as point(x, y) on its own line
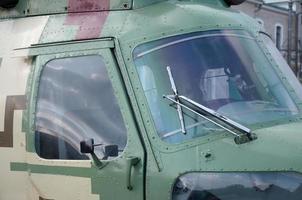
point(179, 109)
point(244, 135)
point(215, 114)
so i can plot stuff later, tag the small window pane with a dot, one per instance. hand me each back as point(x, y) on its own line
point(278, 37)
point(76, 102)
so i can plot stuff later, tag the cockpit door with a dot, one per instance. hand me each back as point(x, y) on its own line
point(77, 94)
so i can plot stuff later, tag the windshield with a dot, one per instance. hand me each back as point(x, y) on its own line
point(243, 186)
point(226, 71)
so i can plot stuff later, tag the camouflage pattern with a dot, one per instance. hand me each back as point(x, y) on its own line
point(36, 30)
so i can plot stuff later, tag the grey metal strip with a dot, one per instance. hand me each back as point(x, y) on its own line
point(52, 48)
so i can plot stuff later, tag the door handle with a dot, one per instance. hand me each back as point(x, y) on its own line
point(131, 162)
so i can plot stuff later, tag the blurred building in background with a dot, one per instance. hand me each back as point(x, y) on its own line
point(282, 20)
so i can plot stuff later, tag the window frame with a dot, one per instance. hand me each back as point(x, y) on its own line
point(277, 25)
point(157, 141)
point(49, 53)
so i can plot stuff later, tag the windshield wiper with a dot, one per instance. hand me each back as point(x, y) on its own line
point(179, 109)
point(244, 135)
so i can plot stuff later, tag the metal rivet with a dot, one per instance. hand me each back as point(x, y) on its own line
point(208, 155)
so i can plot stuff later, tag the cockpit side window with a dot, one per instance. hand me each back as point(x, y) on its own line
point(76, 101)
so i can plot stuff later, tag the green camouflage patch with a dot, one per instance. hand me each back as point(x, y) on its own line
point(55, 170)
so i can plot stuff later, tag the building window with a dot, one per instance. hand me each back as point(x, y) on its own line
point(279, 35)
point(75, 102)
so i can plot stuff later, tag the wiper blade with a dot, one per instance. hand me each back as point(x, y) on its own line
point(219, 116)
point(244, 135)
point(179, 109)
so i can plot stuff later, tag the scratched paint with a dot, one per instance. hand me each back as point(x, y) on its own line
point(90, 24)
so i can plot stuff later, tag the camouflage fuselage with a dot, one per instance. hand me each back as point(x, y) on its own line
point(29, 39)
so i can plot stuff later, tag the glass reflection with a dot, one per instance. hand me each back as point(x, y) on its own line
point(238, 186)
point(76, 102)
point(222, 70)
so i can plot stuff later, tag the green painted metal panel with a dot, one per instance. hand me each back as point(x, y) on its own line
point(155, 21)
point(140, 4)
point(48, 7)
point(56, 170)
point(62, 6)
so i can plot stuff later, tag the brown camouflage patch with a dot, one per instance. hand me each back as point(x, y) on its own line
point(90, 24)
point(13, 103)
